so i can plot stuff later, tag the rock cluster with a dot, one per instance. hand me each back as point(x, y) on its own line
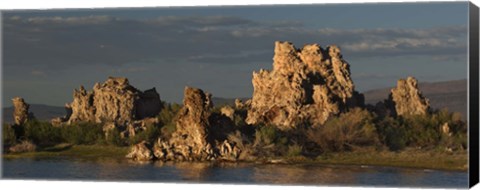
point(405, 99)
point(114, 102)
point(306, 85)
point(21, 113)
point(193, 139)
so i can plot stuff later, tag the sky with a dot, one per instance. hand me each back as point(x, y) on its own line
point(48, 53)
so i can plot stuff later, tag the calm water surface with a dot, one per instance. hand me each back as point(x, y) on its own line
point(235, 173)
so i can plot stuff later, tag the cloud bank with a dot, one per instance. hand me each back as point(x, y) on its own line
point(59, 42)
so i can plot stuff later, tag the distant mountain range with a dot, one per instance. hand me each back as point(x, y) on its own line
point(447, 94)
point(40, 111)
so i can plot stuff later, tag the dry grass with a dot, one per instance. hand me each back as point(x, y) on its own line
point(75, 151)
point(24, 146)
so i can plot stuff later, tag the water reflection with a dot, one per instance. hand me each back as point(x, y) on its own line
point(238, 173)
point(301, 174)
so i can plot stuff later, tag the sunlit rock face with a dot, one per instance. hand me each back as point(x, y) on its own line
point(21, 113)
point(407, 98)
point(191, 136)
point(141, 152)
point(306, 85)
point(115, 101)
point(194, 138)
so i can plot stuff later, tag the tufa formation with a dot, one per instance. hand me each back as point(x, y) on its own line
point(306, 86)
point(405, 99)
point(194, 139)
point(21, 114)
point(114, 102)
point(408, 99)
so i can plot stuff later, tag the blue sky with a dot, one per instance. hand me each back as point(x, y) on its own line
point(49, 53)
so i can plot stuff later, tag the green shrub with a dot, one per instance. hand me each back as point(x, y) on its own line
point(423, 130)
point(168, 113)
point(150, 134)
point(8, 135)
point(42, 132)
point(266, 135)
point(114, 138)
point(392, 133)
point(350, 129)
point(238, 120)
point(83, 133)
point(294, 150)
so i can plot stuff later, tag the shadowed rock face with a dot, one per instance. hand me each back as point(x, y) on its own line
point(21, 114)
point(115, 101)
point(306, 85)
point(407, 99)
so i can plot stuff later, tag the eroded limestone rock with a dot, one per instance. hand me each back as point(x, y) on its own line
point(408, 99)
point(191, 136)
point(227, 111)
point(445, 128)
point(82, 108)
point(21, 113)
point(141, 152)
point(196, 138)
point(306, 85)
point(114, 101)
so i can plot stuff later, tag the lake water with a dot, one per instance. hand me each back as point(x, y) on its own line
point(231, 173)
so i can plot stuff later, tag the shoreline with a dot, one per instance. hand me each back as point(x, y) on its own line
point(414, 159)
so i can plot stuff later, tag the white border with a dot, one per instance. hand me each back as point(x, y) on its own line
point(62, 4)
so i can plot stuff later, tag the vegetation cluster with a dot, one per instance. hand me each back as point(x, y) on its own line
point(355, 130)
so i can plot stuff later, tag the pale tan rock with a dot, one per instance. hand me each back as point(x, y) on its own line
point(305, 86)
point(408, 99)
point(445, 128)
point(239, 104)
point(227, 111)
point(228, 151)
point(108, 127)
point(193, 140)
point(191, 136)
point(82, 108)
point(141, 152)
point(137, 126)
point(115, 101)
point(21, 113)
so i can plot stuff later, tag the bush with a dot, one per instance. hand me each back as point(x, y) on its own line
point(150, 134)
point(266, 135)
point(42, 133)
point(168, 113)
point(114, 138)
point(350, 129)
point(294, 150)
point(8, 135)
point(392, 133)
point(83, 133)
point(423, 130)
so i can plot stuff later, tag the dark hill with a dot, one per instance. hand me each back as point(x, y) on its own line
point(40, 111)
